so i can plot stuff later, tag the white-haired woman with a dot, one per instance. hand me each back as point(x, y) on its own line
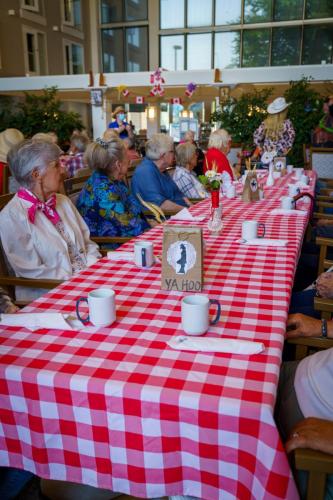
point(216, 155)
point(42, 233)
point(105, 202)
point(184, 177)
point(150, 179)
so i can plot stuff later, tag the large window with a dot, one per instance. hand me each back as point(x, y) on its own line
point(30, 5)
point(245, 33)
point(125, 49)
point(115, 11)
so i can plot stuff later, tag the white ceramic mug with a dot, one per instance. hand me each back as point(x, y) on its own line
point(250, 229)
point(102, 307)
point(305, 179)
point(293, 190)
point(299, 172)
point(143, 253)
point(290, 168)
point(195, 314)
point(287, 203)
point(231, 191)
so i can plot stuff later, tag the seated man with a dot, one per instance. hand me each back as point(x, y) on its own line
point(305, 390)
point(151, 181)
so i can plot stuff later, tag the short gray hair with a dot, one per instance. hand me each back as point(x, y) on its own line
point(103, 155)
point(184, 153)
point(219, 139)
point(80, 141)
point(31, 155)
point(157, 145)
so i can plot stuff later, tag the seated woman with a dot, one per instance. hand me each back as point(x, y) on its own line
point(42, 233)
point(184, 177)
point(216, 155)
point(105, 202)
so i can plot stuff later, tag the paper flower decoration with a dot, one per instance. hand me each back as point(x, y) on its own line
point(190, 89)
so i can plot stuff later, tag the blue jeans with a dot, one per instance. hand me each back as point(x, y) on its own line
point(12, 481)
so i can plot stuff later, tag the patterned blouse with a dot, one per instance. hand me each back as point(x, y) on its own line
point(109, 209)
point(188, 183)
point(283, 143)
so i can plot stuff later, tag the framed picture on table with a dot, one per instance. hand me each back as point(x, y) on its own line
point(280, 163)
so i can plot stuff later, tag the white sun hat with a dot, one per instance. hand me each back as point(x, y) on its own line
point(279, 104)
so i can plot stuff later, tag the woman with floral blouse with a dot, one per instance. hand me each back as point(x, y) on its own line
point(105, 202)
point(276, 134)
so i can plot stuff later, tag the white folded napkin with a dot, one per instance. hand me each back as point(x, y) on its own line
point(205, 344)
point(284, 211)
point(35, 321)
point(265, 242)
point(185, 214)
point(126, 256)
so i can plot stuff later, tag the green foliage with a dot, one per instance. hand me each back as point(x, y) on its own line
point(243, 116)
point(305, 111)
point(41, 113)
point(209, 184)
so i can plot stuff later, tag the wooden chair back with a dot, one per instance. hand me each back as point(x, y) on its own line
point(131, 169)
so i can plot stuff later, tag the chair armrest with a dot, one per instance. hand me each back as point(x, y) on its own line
point(306, 459)
point(315, 342)
point(325, 198)
point(111, 239)
point(322, 215)
point(325, 305)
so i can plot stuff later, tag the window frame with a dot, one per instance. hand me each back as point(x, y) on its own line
point(33, 8)
point(70, 23)
point(70, 43)
point(35, 32)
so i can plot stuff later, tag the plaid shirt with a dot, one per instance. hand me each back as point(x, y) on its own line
point(188, 183)
point(74, 163)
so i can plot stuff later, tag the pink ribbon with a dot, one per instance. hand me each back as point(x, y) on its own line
point(48, 207)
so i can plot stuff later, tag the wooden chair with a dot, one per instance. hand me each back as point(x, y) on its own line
point(131, 169)
point(324, 262)
point(318, 465)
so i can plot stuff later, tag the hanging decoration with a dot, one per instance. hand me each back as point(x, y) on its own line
point(91, 79)
point(176, 100)
point(122, 91)
point(190, 89)
point(157, 80)
point(139, 99)
point(101, 80)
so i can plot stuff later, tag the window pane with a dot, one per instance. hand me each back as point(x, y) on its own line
point(288, 11)
point(199, 51)
point(317, 44)
point(77, 12)
point(172, 13)
point(172, 52)
point(112, 50)
point(111, 11)
point(286, 45)
point(257, 11)
point(227, 49)
point(137, 49)
point(136, 10)
point(256, 48)
point(77, 59)
point(315, 9)
point(228, 12)
point(197, 15)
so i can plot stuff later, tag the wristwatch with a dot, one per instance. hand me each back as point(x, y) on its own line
point(324, 328)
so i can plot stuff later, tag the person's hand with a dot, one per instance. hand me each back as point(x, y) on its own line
point(188, 202)
point(128, 128)
point(12, 309)
point(121, 128)
point(324, 285)
point(313, 433)
point(299, 325)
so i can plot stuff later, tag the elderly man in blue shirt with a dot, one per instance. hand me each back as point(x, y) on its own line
point(151, 181)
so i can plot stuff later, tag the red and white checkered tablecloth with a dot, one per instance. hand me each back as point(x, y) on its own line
point(117, 408)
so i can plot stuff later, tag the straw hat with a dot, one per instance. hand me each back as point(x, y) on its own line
point(9, 138)
point(119, 109)
point(279, 104)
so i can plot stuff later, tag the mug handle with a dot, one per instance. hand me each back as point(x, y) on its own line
point(83, 320)
point(261, 225)
point(143, 257)
point(218, 312)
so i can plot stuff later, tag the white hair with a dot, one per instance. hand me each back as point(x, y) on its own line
point(219, 139)
point(157, 145)
point(31, 155)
